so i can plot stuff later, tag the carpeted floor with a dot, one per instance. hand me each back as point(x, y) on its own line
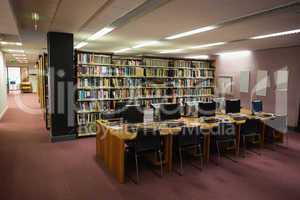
point(33, 168)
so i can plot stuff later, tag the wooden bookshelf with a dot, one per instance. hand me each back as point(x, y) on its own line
point(42, 77)
point(105, 79)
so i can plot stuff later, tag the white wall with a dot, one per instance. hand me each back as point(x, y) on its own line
point(3, 86)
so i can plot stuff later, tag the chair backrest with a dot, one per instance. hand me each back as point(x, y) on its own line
point(189, 136)
point(250, 126)
point(147, 139)
point(109, 115)
point(226, 129)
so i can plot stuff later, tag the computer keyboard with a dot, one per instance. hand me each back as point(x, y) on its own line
point(239, 118)
point(211, 121)
point(175, 124)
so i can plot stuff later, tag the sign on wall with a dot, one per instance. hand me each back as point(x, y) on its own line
point(261, 83)
point(244, 81)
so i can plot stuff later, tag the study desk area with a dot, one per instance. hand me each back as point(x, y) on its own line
point(202, 133)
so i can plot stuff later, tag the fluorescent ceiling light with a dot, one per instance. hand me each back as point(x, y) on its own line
point(235, 53)
point(192, 32)
point(149, 43)
point(11, 43)
point(277, 34)
point(207, 45)
point(122, 50)
point(19, 55)
point(15, 50)
point(101, 33)
point(80, 44)
point(198, 57)
point(171, 51)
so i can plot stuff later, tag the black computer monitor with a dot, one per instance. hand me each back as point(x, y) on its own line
point(257, 106)
point(133, 114)
point(207, 109)
point(169, 111)
point(233, 106)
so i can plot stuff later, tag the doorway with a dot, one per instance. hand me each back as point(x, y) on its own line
point(14, 78)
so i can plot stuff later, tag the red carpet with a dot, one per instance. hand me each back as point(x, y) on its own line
point(33, 168)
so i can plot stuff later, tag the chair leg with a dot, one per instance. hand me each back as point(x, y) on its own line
point(218, 151)
point(161, 162)
point(201, 155)
point(244, 146)
point(180, 159)
point(137, 168)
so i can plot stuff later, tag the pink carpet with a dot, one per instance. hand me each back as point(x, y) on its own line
point(31, 167)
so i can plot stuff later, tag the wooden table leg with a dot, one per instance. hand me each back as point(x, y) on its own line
point(262, 137)
point(168, 152)
point(238, 139)
point(206, 147)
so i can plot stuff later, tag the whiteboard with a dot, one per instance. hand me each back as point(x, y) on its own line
point(261, 83)
point(244, 81)
point(282, 77)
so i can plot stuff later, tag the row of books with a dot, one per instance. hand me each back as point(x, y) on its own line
point(91, 58)
point(156, 62)
point(110, 71)
point(192, 83)
point(193, 73)
point(134, 83)
point(192, 92)
point(93, 82)
point(125, 82)
point(129, 62)
point(200, 64)
point(93, 94)
point(87, 118)
point(182, 63)
point(93, 106)
point(159, 72)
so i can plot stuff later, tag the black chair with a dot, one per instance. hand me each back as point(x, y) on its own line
point(225, 134)
point(250, 130)
point(189, 138)
point(147, 140)
point(111, 116)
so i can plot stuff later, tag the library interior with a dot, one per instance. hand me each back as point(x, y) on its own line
point(149, 99)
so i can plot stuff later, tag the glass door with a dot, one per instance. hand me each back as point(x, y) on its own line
point(14, 78)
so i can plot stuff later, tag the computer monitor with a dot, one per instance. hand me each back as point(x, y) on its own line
point(133, 114)
point(257, 106)
point(233, 106)
point(169, 111)
point(207, 109)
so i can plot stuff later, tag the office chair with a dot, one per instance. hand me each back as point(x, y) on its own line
point(189, 138)
point(225, 135)
point(251, 129)
point(147, 140)
point(111, 116)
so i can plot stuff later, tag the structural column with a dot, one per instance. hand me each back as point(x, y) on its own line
point(60, 85)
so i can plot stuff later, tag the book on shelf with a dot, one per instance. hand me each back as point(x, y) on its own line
point(93, 94)
point(91, 58)
point(156, 62)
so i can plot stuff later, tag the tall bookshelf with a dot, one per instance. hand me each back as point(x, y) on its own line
point(42, 66)
point(105, 79)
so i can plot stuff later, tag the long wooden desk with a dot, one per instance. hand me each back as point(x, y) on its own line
point(111, 141)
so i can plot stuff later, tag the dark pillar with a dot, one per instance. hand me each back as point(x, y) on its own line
point(60, 87)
